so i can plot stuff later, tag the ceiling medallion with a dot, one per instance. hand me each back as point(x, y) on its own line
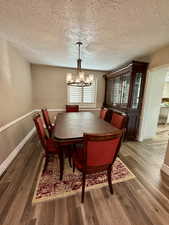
point(80, 79)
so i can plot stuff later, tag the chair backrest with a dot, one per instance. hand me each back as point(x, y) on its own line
point(118, 120)
point(72, 108)
point(40, 129)
point(101, 150)
point(46, 118)
point(103, 112)
point(108, 116)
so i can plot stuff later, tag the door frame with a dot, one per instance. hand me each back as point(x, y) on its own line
point(155, 80)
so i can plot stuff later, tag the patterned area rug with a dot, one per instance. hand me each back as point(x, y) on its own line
point(49, 186)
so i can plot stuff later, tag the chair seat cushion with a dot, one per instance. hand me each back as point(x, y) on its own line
point(51, 146)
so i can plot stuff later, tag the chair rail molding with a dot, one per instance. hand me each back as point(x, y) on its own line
point(6, 126)
point(4, 165)
point(63, 110)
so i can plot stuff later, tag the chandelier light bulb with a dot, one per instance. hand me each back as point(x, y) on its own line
point(81, 76)
point(87, 80)
point(69, 77)
point(91, 77)
point(77, 80)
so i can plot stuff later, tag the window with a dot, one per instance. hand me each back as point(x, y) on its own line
point(82, 95)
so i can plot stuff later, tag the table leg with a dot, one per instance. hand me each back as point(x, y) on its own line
point(61, 159)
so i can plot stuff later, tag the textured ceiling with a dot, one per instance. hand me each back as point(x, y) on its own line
point(113, 31)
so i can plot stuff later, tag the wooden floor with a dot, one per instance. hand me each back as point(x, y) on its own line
point(140, 201)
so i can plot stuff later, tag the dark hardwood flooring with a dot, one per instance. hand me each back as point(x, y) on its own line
point(140, 201)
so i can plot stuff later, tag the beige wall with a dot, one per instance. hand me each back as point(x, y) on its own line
point(50, 90)
point(20, 94)
point(15, 97)
point(159, 58)
point(166, 90)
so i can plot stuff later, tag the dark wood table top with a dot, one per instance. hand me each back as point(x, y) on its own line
point(70, 126)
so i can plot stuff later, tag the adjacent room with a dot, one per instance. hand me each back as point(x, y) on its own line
point(84, 119)
point(163, 121)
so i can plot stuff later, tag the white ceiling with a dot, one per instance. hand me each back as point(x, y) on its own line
point(113, 31)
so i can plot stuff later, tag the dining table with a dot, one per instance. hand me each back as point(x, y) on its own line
point(70, 127)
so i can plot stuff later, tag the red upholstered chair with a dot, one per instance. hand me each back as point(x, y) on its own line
point(49, 145)
point(103, 112)
point(118, 120)
point(72, 108)
point(97, 154)
point(47, 121)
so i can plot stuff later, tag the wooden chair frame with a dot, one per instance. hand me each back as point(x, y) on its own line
point(103, 109)
point(47, 124)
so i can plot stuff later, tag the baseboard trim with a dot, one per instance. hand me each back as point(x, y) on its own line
point(165, 169)
point(14, 153)
point(15, 121)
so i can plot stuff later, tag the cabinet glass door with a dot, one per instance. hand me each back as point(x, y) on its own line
point(116, 91)
point(136, 91)
point(125, 90)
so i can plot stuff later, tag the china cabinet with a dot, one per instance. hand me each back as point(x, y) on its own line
point(124, 93)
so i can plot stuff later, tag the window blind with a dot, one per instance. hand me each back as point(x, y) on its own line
point(89, 93)
point(75, 94)
point(82, 95)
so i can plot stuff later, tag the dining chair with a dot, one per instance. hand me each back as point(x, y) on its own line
point(72, 108)
point(47, 121)
point(103, 112)
point(97, 154)
point(119, 120)
point(49, 145)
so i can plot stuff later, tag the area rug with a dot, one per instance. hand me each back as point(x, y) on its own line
point(49, 186)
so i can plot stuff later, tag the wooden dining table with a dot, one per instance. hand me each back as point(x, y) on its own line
point(70, 127)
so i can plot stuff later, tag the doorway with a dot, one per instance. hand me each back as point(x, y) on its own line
point(151, 104)
point(163, 120)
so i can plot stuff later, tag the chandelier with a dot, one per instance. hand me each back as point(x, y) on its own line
point(80, 80)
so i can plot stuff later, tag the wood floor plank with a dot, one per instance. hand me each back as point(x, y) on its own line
point(151, 207)
point(115, 209)
point(90, 210)
point(132, 207)
point(23, 191)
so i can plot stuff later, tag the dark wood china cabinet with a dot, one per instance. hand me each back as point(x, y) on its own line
point(124, 93)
